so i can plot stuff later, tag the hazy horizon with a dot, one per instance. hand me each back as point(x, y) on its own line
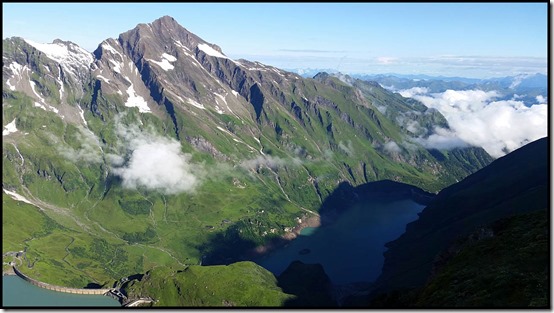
point(477, 40)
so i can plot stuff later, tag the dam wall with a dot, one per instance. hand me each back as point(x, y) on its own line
point(60, 288)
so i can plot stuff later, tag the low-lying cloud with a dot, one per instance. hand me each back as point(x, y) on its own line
point(441, 139)
point(154, 162)
point(347, 147)
point(475, 118)
point(392, 147)
point(409, 93)
point(90, 150)
point(268, 161)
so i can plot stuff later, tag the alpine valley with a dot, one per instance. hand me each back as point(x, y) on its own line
point(158, 159)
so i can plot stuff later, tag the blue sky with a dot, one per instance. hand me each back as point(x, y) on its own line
point(450, 39)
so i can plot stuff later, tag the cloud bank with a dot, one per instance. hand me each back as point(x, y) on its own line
point(392, 147)
point(475, 118)
point(90, 150)
point(154, 162)
point(347, 147)
point(268, 161)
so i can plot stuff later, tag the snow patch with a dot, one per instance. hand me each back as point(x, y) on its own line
point(164, 64)
point(261, 69)
point(169, 57)
point(218, 110)
point(61, 84)
point(223, 130)
point(10, 128)
point(196, 104)
point(107, 46)
point(221, 97)
point(17, 69)
point(17, 197)
point(54, 109)
point(38, 105)
point(211, 51)
point(116, 66)
point(276, 70)
point(178, 43)
point(56, 52)
point(42, 105)
point(60, 53)
point(36, 93)
point(103, 78)
point(135, 100)
point(10, 85)
point(82, 114)
point(21, 156)
point(235, 93)
point(176, 96)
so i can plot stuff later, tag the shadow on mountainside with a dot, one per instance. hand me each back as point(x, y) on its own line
point(308, 282)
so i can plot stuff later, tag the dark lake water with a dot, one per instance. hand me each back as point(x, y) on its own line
point(17, 292)
point(351, 248)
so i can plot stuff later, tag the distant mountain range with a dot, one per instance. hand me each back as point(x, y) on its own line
point(523, 87)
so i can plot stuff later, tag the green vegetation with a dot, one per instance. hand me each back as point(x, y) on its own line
point(259, 169)
point(508, 268)
point(239, 284)
point(510, 186)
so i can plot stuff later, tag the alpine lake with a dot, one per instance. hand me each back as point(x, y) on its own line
point(351, 247)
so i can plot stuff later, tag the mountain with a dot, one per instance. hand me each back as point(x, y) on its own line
point(241, 284)
point(475, 225)
point(523, 87)
point(144, 152)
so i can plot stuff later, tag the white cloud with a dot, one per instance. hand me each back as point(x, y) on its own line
point(409, 93)
point(392, 147)
point(541, 99)
point(476, 119)
point(441, 139)
point(381, 108)
point(386, 60)
point(154, 162)
point(90, 150)
point(347, 147)
point(268, 161)
point(413, 126)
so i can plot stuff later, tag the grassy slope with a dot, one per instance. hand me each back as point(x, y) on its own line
point(510, 269)
point(238, 284)
point(105, 232)
point(511, 185)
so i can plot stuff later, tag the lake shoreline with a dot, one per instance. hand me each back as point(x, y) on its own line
point(348, 242)
point(283, 240)
point(331, 215)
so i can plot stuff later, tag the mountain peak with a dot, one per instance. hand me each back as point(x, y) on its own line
point(168, 24)
point(167, 20)
point(162, 32)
